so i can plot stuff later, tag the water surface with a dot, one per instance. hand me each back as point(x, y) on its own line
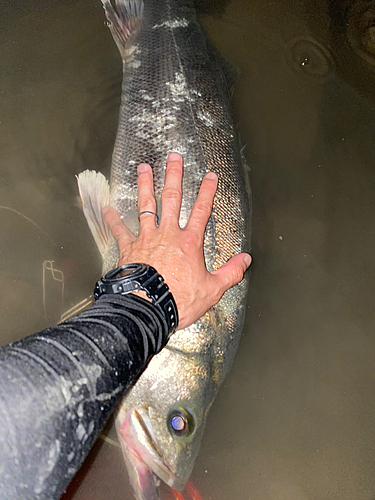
point(295, 418)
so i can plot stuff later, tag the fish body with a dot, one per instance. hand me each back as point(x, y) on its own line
point(176, 97)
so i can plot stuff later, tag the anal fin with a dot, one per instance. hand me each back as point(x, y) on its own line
point(94, 191)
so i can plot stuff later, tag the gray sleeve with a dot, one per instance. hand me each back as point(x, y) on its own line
point(59, 386)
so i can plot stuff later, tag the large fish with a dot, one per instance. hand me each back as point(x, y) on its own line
point(175, 97)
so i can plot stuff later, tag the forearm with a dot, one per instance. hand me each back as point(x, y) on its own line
point(59, 386)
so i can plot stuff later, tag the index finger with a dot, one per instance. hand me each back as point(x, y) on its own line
point(202, 208)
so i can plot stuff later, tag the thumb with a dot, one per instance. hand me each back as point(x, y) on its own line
point(232, 271)
point(115, 224)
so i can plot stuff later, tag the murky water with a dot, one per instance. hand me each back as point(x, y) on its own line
point(295, 419)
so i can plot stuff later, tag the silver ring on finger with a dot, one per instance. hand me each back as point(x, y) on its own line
point(149, 213)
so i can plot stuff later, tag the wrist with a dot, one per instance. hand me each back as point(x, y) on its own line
point(142, 294)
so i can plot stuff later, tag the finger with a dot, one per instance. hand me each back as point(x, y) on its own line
point(146, 198)
point(171, 195)
point(231, 272)
point(118, 229)
point(202, 208)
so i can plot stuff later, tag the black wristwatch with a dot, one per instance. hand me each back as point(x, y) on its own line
point(135, 277)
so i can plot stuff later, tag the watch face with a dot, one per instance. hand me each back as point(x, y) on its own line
point(123, 273)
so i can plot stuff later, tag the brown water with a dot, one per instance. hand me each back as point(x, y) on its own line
point(295, 418)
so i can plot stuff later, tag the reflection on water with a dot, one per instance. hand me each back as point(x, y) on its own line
point(294, 420)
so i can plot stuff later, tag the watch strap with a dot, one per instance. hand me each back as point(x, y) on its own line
point(143, 277)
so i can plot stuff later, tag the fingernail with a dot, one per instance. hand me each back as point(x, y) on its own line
point(211, 176)
point(143, 167)
point(247, 260)
point(105, 210)
point(174, 157)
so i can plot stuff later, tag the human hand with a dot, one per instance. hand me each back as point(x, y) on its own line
point(177, 253)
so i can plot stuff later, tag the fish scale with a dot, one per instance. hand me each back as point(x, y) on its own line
point(175, 97)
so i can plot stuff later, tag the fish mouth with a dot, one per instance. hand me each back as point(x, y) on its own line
point(142, 446)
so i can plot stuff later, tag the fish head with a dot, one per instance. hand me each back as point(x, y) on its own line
point(161, 423)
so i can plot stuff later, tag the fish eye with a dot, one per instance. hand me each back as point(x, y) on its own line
point(181, 422)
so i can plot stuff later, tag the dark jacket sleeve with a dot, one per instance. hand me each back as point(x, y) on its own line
point(59, 386)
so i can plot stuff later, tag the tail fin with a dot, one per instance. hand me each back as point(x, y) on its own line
point(94, 191)
point(123, 19)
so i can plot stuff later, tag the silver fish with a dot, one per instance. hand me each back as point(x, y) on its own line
point(176, 97)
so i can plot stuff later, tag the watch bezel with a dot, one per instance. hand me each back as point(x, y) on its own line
point(112, 276)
